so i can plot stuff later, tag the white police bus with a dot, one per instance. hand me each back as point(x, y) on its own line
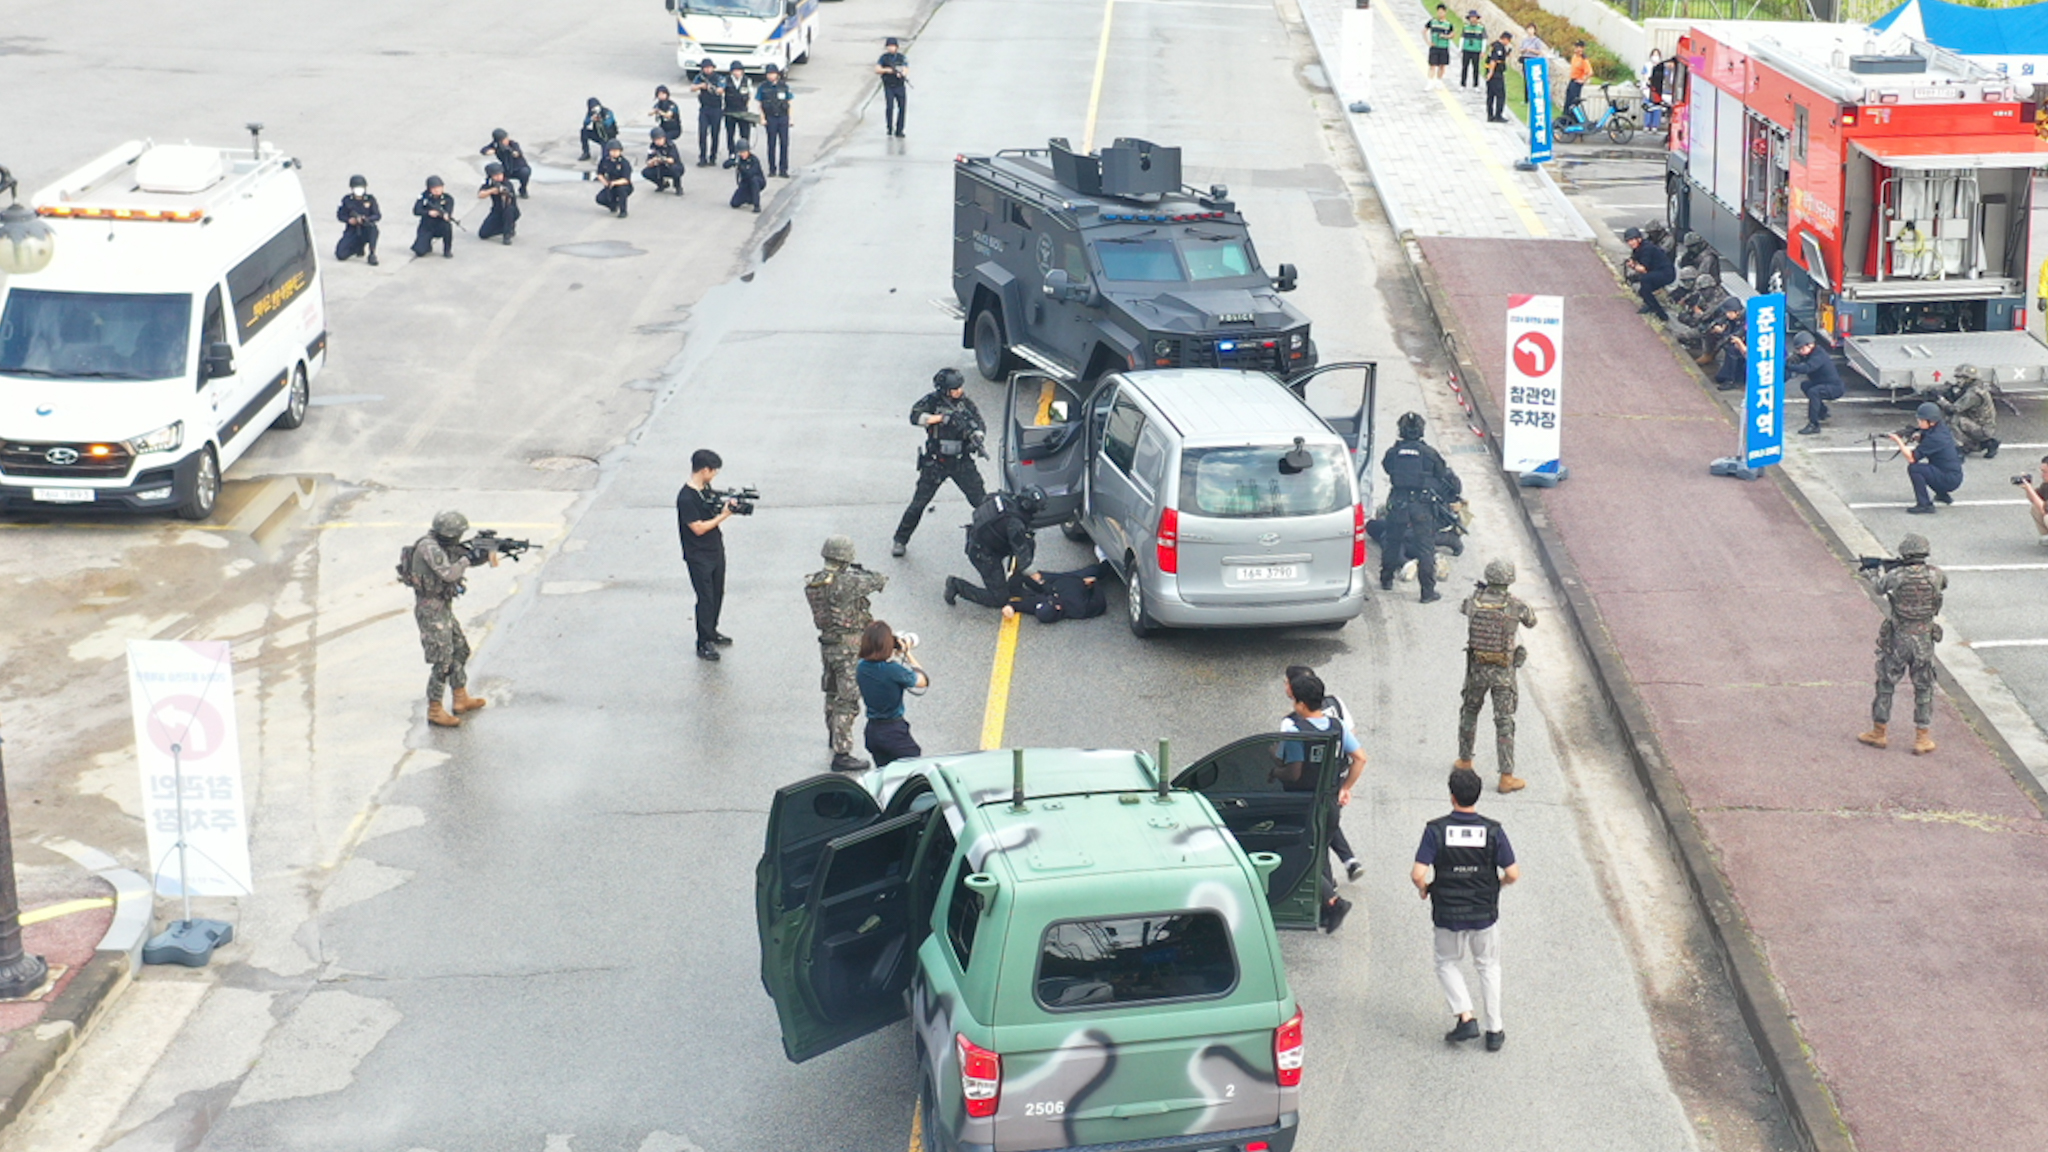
point(756, 33)
point(180, 316)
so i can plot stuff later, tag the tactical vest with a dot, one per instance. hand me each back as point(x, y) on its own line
point(417, 574)
point(1311, 760)
point(1408, 470)
point(1465, 892)
point(1915, 599)
point(1490, 637)
point(833, 610)
point(985, 531)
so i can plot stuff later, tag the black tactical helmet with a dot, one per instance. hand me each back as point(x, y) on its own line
point(948, 379)
point(613, 145)
point(499, 135)
point(774, 70)
point(358, 182)
point(737, 67)
point(434, 182)
point(706, 62)
point(1803, 339)
point(1410, 425)
point(661, 89)
point(593, 102)
point(494, 169)
point(655, 133)
point(1031, 500)
point(1732, 306)
point(1632, 234)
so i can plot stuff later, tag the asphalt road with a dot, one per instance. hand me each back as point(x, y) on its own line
point(537, 932)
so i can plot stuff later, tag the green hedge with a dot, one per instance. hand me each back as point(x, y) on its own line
point(1561, 34)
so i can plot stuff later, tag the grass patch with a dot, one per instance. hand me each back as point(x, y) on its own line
point(1561, 34)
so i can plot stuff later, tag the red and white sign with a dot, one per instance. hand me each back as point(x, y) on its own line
point(1535, 383)
point(183, 696)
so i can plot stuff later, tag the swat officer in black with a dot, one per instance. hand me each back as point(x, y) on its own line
point(507, 151)
point(504, 217)
point(1417, 474)
point(358, 215)
point(894, 69)
point(436, 210)
point(746, 176)
point(615, 172)
point(600, 127)
point(710, 89)
point(953, 431)
point(736, 97)
point(1000, 546)
point(664, 164)
point(667, 116)
point(774, 97)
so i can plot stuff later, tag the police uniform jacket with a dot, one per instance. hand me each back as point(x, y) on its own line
point(746, 172)
point(893, 60)
point(1818, 367)
point(711, 96)
point(614, 168)
point(363, 208)
point(1656, 263)
point(668, 116)
point(1497, 63)
point(1937, 450)
point(429, 202)
point(510, 155)
point(664, 155)
point(774, 97)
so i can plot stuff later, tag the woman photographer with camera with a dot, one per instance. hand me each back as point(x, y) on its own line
point(888, 668)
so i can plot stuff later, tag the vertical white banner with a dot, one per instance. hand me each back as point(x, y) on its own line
point(1535, 384)
point(183, 694)
point(1354, 53)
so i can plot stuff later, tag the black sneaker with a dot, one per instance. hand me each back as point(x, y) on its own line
point(721, 639)
point(1944, 497)
point(897, 548)
point(706, 652)
point(373, 259)
point(1466, 1030)
point(1432, 596)
point(1353, 869)
point(1921, 510)
point(952, 592)
point(1495, 1039)
point(1334, 913)
point(1811, 429)
point(848, 762)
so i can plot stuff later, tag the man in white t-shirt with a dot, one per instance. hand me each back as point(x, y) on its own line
point(1308, 715)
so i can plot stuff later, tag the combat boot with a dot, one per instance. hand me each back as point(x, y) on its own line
point(1922, 742)
point(1464, 762)
point(1875, 737)
point(464, 702)
point(1509, 782)
point(439, 717)
point(847, 762)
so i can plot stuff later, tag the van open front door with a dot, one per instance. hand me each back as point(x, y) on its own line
point(1043, 445)
point(1343, 394)
point(832, 897)
point(1276, 793)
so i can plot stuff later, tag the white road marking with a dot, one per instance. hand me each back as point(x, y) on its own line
point(1952, 504)
point(1994, 567)
point(2008, 644)
point(1865, 447)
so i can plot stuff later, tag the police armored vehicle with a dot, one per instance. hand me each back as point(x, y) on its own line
point(1082, 264)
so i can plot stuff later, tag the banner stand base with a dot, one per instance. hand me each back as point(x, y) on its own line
point(1525, 166)
point(187, 942)
point(1733, 466)
point(1360, 106)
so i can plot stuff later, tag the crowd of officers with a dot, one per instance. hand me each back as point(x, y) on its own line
point(729, 105)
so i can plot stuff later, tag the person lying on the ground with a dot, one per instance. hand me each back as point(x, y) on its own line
point(1057, 596)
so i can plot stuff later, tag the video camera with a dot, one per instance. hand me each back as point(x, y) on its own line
point(741, 499)
point(480, 546)
point(2023, 480)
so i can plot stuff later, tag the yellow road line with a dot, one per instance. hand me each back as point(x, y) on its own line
point(67, 908)
point(1101, 66)
point(1474, 136)
point(917, 1126)
point(998, 708)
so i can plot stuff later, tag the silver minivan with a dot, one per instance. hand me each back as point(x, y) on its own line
point(1222, 498)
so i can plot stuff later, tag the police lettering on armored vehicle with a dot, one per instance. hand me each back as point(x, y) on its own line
point(1086, 264)
point(1087, 954)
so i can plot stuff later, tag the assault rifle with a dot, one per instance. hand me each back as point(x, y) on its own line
point(1877, 563)
point(488, 541)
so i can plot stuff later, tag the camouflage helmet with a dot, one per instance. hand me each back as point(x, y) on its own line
point(838, 549)
point(450, 524)
point(1967, 372)
point(1913, 547)
point(1500, 573)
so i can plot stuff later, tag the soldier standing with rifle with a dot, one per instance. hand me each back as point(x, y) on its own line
point(434, 567)
point(1491, 657)
point(953, 433)
point(1912, 589)
point(838, 594)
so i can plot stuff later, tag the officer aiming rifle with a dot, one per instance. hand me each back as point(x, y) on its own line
point(954, 435)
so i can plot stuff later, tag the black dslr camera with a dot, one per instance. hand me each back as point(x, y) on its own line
point(2023, 481)
point(741, 499)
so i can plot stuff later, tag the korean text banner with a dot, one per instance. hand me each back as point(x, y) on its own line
point(1535, 383)
point(1763, 418)
point(183, 695)
point(1538, 71)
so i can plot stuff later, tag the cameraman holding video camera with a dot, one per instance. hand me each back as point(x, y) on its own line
point(888, 668)
point(953, 430)
point(2036, 492)
point(700, 511)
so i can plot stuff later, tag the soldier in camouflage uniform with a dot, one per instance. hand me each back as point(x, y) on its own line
point(434, 572)
point(1905, 641)
point(1491, 657)
point(838, 594)
point(1972, 414)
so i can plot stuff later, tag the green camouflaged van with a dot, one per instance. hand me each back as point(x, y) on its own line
point(1088, 960)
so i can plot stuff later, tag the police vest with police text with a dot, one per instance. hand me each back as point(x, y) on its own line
point(1465, 892)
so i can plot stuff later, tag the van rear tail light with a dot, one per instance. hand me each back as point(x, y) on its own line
point(1287, 1052)
point(981, 1077)
point(1257, 1146)
point(1169, 541)
point(1358, 535)
point(2019, 318)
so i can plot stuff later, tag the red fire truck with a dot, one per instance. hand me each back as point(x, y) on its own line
point(1899, 199)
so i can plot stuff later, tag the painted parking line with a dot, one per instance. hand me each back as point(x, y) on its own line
point(1952, 504)
point(1861, 448)
point(2008, 644)
point(1994, 567)
point(67, 908)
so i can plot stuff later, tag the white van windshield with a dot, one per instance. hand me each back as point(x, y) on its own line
point(94, 335)
point(762, 8)
point(1258, 480)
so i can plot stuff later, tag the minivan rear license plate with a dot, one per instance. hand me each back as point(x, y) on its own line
point(1269, 572)
point(63, 495)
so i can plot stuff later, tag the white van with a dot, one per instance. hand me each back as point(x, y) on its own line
point(180, 316)
point(757, 33)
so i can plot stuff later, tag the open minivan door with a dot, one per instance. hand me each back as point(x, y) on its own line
point(833, 905)
point(1043, 443)
point(1275, 793)
point(1343, 395)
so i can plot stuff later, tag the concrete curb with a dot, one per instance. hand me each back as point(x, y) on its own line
point(1808, 1102)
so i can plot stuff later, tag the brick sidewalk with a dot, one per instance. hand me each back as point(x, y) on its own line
point(1891, 898)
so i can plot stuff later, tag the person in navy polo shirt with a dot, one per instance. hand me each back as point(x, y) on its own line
point(1460, 868)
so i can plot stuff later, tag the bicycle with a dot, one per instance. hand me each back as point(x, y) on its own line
point(1618, 121)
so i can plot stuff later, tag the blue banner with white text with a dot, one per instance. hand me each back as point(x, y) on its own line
point(1763, 423)
point(1539, 109)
